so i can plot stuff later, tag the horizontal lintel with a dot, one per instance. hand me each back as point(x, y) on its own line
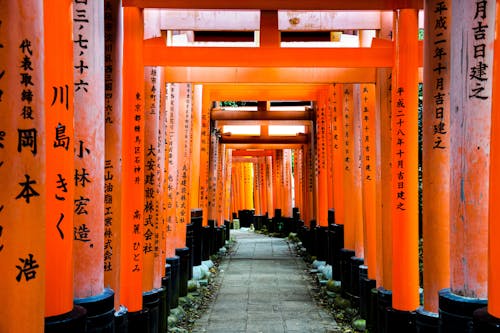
point(262, 115)
point(249, 139)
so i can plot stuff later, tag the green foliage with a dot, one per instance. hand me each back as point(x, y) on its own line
point(232, 104)
point(420, 34)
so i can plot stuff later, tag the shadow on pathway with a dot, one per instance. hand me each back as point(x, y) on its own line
point(264, 288)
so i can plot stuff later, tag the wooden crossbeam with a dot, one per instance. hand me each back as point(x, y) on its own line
point(262, 115)
point(156, 53)
point(247, 152)
point(264, 140)
point(278, 4)
point(269, 92)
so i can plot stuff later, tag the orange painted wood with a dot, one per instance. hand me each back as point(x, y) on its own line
point(287, 172)
point(247, 92)
point(321, 162)
point(113, 146)
point(278, 4)
point(384, 215)
point(23, 170)
point(183, 142)
point(204, 153)
point(369, 176)
point(172, 159)
point(151, 175)
point(338, 151)
point(212, 180)
point(163, 182)
point(470, 147)
point(248, 74)
point(132, 159)
point(357, 181)
point(270, 36)
point(348, 166)
point(269, 185)
point(405, 163)
point(158, 54)
point(494, 230)
point(61, 204)
point(221, 169)
point(329, 145)
point(196, 145)
point(228, 185)
point(436, 154)
point(88, 246)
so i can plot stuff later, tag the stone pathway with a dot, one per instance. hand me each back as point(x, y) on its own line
point(264, 288)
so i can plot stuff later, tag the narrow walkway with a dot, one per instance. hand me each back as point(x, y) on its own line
point(264, 288)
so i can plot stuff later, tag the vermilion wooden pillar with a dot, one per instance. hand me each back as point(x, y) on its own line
point(329, 145)
point(472, 36)
point(436, 152)
point(321, 163)
point(257, 194)
point(113, 59)
point(405, 297)
point(488, 319)
point(151, 172)
point(204, 154)
point(269, 185)
point(287, 165)
point(221, 169)
point(132, 164)
point(227, 185)
point(298, 179)
point(369, 177)
point(59, 120)
point(23, 169)
point(338, 152)
point(88, 236)
point(172, 158)
point(348, 166)
point(183, 141)
point(194, 196)
point(384, 157)
point(309, 188)
point(357, 183)
point(212, 184)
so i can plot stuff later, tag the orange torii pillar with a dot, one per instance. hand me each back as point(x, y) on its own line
point(309, 216)
point(194, 196)
point(350, 167)
point(113, 59)
point(329, 149)
point(132, 204)
point(88, 247)
point(321, 166)
point(435, 163)
point(257, 195)
point(357, 193)
point(171, 168)
point(152, 291)
point(212, 180)
point(369, 179)
point(228, 189)
point(288, 181)
point(336, 94)
point(278, 183)
point(23, 169)
point(405, 293)
point(384, 218)
point(221, 169)
point(204, 154)
point(269, 184)
point(487, 319)
point(60, 204)
point(298, 179)
point(248, 179)
point(472, 36)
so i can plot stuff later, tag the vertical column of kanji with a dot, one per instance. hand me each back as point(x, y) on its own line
point(369, 179)
point(405, 296)
point(151, 181)
point(357, 193)
point(184, 161)
point(204, 154)
point(487, 319)
point(263, 182)
point(337, 152)
point(348, 165)
point(132, 204)
point(269, 184)
point(279, 179)
point(22, 169)
point(88, 245)
point(212, 184)
point(172, 146)
point(256, 185)
point(329, 144)
point(221, 169)
point(436, 142)
point(321, 163)
point(472, 37)
point(309, 174)
point(113, 57)
point(287, 162)
point(196, 145)
point(151, 156)
point(297, 179)
point(160, 237)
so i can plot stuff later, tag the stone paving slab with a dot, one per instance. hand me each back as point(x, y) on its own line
point(264, 289)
